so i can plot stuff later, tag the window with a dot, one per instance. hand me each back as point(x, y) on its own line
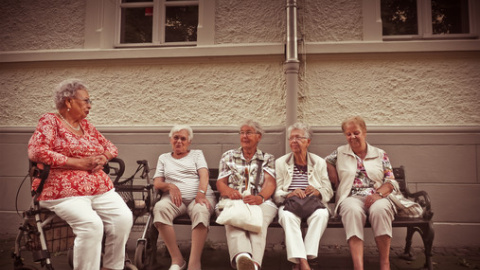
point(157, 22)
point(427, 19)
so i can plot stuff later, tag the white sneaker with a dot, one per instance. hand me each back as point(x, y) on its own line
point(244, 262)
point(178, 267)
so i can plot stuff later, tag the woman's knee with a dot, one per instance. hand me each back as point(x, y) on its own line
point(164, 211)
point(321, 213)
point(124, 222)
point(89, 228)
point(352, 212)
point(379, 210)
point(286, 216)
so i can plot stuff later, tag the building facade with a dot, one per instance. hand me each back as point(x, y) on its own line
point(419, 93)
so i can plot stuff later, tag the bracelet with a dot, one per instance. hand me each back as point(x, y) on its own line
point(263, 199)
point(105, 155)
point(202, 191)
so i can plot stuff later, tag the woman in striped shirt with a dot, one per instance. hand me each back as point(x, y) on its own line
point(182, 175)
point(302, 174)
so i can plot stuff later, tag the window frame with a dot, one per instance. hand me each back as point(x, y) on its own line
point(158, 23)
point(425, 29)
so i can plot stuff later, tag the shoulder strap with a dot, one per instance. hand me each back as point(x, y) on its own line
point(259, 173)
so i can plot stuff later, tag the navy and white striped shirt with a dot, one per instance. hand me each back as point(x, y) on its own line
point(299, 179)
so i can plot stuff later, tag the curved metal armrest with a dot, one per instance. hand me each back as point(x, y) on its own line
point(115, 167)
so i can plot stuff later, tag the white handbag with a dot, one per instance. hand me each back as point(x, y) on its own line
point(239, 214)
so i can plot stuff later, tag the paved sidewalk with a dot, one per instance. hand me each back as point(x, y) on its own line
point(338, 257)
point(215, 257)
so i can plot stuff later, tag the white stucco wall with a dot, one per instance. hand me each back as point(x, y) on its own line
point(330, 20)
point(41, 25)
point(387, 89)
point(393, 89)
point(249, 21)
point(154, 93)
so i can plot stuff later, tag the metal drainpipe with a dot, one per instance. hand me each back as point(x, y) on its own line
point(292, 65)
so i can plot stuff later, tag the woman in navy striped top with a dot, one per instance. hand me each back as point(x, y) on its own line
point(301, 173)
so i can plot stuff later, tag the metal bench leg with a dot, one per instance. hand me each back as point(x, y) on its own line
point(427, 237)
point(407, 252)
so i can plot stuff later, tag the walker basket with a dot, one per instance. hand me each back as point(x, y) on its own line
point(58, 234)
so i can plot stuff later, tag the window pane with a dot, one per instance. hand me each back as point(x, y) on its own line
point(181, 24)
point(450, 17)
point(399, 17)
point(136, 25)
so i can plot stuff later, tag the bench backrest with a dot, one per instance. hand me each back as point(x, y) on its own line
point(399, 173)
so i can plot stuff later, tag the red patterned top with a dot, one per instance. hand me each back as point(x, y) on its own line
point(52, 143)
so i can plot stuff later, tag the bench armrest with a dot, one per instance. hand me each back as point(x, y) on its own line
point(422, 198)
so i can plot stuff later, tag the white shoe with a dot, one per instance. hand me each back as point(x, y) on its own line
point(178, 267)
point(244, 262)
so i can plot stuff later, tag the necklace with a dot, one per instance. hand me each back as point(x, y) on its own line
point(64, 120)
point(302, 168)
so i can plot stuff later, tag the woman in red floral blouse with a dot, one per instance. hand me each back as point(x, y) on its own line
point(77, 189)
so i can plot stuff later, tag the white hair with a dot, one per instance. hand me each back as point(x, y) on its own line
point(177, 128)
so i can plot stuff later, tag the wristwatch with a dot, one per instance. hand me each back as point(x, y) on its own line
point(379, 193)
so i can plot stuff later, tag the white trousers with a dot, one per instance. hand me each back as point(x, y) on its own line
point(90, 217)
point(297, 248)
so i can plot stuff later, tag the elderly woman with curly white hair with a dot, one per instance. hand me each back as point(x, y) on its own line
point(77, 189)
point(182, 175)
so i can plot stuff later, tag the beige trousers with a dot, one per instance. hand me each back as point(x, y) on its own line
point(165, 211)
point(241, 241)
point(354, 215)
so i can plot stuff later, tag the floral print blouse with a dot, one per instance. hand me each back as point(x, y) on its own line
point(52, 144)
point(362, 184)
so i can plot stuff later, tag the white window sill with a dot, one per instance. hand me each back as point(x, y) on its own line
point(393, 46)
point(232, 50)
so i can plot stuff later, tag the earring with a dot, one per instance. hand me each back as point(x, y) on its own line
point(68, 109)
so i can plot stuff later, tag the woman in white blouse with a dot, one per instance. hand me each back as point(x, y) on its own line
point(302, 174)
point(182, 176)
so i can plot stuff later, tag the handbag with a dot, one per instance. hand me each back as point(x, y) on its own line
point(405, 207)
point(303, 207)
point(241, 215)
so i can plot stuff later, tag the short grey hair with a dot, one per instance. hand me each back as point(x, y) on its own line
point(300, 126)
point(67, 89)
point(177, 128)
point(255, 125)
point(358, 120)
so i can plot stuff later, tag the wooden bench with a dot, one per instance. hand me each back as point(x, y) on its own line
point(422, 225)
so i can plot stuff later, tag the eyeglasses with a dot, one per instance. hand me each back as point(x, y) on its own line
point(176, 138)
point(87, 100)
point(297, 139)
point(248, 133)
